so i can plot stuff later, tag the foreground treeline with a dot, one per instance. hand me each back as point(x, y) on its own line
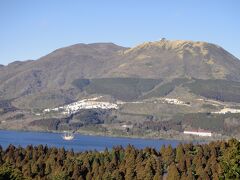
point(217, 160)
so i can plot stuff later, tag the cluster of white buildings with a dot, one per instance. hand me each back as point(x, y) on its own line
point(173, 101)
point(83, 104)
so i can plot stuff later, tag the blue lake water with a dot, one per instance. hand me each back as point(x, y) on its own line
point(79, 143)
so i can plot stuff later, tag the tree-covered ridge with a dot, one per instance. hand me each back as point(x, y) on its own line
point(217, 160)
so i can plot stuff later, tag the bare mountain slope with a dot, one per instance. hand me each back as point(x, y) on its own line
point(174, 59)
point(58, 69)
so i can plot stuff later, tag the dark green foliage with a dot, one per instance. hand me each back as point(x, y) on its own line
point(213, 122)
point(202, 120)
point(166, 88)
point(92, 116)
point(122, 88)
point(187, 161)
point(231, 160)
point(81, 83)
point(82, 118)
point(165, 125)
point(17, 116)
point(6, 106)
point(221, 90)
point(51, 123)
point(9, 173)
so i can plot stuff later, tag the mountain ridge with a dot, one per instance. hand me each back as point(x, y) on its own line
point(162, 59)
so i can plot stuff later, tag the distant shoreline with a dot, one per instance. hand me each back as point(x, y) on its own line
point(91, 133)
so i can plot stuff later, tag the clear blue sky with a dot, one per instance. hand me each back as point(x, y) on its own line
point(30, 29)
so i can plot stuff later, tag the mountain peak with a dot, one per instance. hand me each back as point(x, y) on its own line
point(173, 45)
point(88, 49)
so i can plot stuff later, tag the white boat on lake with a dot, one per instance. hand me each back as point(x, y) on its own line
point(68, 136)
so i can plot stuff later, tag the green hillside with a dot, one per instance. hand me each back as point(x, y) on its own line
point(166, 88)
point(121, 88)
point(221, 90)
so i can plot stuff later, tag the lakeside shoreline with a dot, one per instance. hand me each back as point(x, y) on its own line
point(188, 138)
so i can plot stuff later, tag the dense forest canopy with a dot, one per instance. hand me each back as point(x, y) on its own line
point(216, 160)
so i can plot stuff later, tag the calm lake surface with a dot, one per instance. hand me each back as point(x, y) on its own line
point(79, 143)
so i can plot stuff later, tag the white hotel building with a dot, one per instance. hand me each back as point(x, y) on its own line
point(198, 132)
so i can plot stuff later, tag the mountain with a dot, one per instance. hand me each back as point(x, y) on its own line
point(189, 75)
point(156, 60)
point(56, 70)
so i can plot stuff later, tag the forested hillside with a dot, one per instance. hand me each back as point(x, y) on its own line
point(217, 160)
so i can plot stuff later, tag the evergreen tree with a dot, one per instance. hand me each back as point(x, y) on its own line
point(149, 169)
point(218, 160)
point(231, 160)
point(168, 155)
point(173, 173)
point(179, 153)
point(130, 163)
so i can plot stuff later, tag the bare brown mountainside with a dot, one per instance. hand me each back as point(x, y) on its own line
point(58, 69)
point(174, 59)
point(54, 74)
